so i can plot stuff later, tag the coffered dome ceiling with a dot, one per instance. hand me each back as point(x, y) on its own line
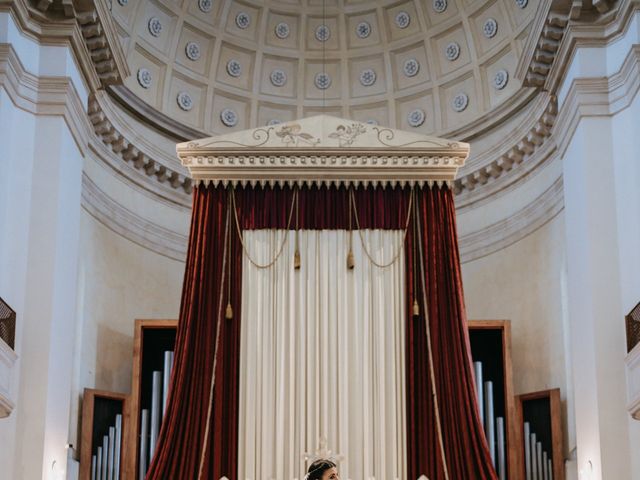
point(430, 66)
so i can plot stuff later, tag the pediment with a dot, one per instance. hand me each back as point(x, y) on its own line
point(323, 150)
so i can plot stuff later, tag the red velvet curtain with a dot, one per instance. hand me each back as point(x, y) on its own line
point(465, 447)
point(181, 438)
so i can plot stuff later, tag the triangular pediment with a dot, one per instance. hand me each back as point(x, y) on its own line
point(323, 150)
point(322, 132)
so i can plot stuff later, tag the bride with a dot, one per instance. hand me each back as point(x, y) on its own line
point(322, 470)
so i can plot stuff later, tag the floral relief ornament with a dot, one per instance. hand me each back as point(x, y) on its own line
point(144, 77)
point(416, 117)
point(490, 28)
point(363, 29)
point(234, 68)
point(322, 80)
point(460, 102)
point(323, 33)
point(278, 77)
point(243, 20)
point(292, 135)
point(367, 77)
point(347, 134)
point(500, 79)
point(155, 26)
point(402, 19)
point(439, 5)
point(192, 51)
point(282, 30)
point(185, 102)
point(205, 5)
point(452, 52)
point(228, 117)
point(411, 67)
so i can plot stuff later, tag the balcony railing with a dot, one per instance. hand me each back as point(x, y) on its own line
point(7, 324)
point(632, 321)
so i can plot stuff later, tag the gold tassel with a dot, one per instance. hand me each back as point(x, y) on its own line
point(350, 260)
point(416, 308)
point(229, 313)
point(296, 260)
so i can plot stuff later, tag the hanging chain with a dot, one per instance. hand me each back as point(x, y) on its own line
point(294, 202)
point(364, 246)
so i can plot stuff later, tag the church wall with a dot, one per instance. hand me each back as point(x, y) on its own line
point(524, 283)
point(119, 281)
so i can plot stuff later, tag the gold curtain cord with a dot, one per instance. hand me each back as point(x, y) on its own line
point(434, 390)
point(296, 253)
point(294, 202)
point(229, 312)
point(350, 260)
point(416, 306)
point(395, 257)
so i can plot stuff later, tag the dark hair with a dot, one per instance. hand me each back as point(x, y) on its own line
point(317, 468)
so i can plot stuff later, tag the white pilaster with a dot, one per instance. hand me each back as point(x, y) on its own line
point(40, 190)
point(595, 310)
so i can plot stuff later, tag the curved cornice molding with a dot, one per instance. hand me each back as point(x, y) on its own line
point(496, 170)
point(598, 96)
point(130, 225)
point(85, 26)
point(517, 226)
point(45, 95)
point(139, 154)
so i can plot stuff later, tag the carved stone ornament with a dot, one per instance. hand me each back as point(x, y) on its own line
point(234, 68)
point(155, 26)
point(144, 77)
point(490, 28)
point(228, 117)
point(322, 80)
point(416, 117)
point(522, 3)
point(185, 102)
point(500, 79)
point(460, 102)
point(243, 20)
point(323, 33)
point(452, 52)
point(282, 30)
point(439, 5)
point(403, 19)
point(323, 150)
point(278, 77)
point(411, 67)
point(192, 51)
point(205, 6)
point(367, 77)
point(363, 29)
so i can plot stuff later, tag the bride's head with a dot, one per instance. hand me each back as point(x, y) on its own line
point(322, 470)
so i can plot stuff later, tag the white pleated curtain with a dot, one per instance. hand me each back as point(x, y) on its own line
point(322, 356)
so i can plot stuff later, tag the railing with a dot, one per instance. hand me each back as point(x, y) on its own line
point(632, 321)
point(7, 324)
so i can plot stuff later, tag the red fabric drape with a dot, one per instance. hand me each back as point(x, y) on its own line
point(181, 437)
point(179, 447)
point(465, 446)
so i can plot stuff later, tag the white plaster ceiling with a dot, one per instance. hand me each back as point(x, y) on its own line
point(430, 66)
